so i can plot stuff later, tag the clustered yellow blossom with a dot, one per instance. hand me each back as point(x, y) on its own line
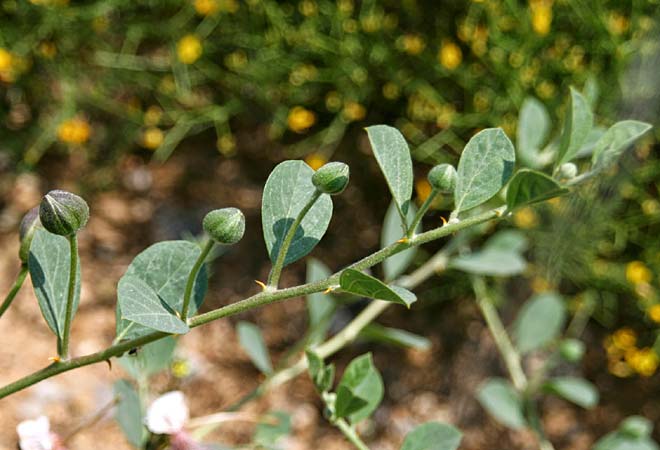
point(541, 11)
point(450, 55)
point(638, 273)
point(6, 65)
point(422, 189)
point(617, 23)
point(315, 160)
point(74, 131)
point(152, 137)
point(625, 358)
point(210, 7)
point(654, 312)
point(300, 119)
point(525, 218)
point(413, 44)
point(189, 49)
point(353, 111)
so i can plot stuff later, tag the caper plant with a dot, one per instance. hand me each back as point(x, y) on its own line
point(159, 295)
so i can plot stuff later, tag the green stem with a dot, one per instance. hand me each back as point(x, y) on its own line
point(350, 434)
point(420, 213)
point(257, 300)
point(275, 273)
point(20, 278)
point(73, 266)
point(193, 276)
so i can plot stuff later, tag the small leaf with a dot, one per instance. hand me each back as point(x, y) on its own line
point(288, 189)
point(149, 359)
point(320, 306)
point(394, 336)
point(577, 125)
point(512, 240)
point(249, 335)
point(129, 413)
point(540, 321)
point(360, 385)
point(275, 425)
point(433, 436)
point(484, 168)
point(616, 139)
point(502, 402)
point(359, 283)
point(49, 262)
point(490, 262)
point(532, 131)
point(142, 305)
point(575, 390)
point(393, 156)
point(165, 268)
point(593, 137)
point(636, 426)
point(528, 186)
point(634, 433)
point(393, 230)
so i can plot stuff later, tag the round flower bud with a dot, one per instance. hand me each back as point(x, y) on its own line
point(568, 170)
point(226, 225)
point(63, 213)
point(331, 178)
point(571, 350)
point(26, 230)
point(636, 427)
point(443, 178)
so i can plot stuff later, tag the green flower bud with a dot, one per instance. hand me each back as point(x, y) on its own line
point(571, 350)
point(332, 178)
point(568, 170)
point(636, 427)
point(63, 213)
point(26, 231)
point(226, 225)
point(443, 178)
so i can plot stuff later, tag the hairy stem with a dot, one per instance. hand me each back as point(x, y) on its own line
point(73, 260)
point(350, 434)
point(20, 278)
point(276, 272)
point(192, 277)
point(420, 213)
point(257, 300)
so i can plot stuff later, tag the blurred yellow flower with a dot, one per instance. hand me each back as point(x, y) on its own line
point(6, 59)
point(300, 119)
point(308, 8)
point(545, 89)
point(617, 23)
point(654, 313)
point(637, 272)
point(315, 160)
point(74, 131)
point(644, 361)
point(624, 338)
point(181, 368)
point(226, 144)
point(650, 207)
point(541, 16)
point(525, 218)
point(152, 137)
point(619, 368)
point(189, 49)
point(450, 55)
point(413, 44)
point(47, 49)
point(540, 284)
point(152, 115)
point(206, 7)
point(423, 189)
point(353, 111)
point(333, 101)
point(391, 91)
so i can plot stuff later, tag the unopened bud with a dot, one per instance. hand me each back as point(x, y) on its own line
point(331, 178)
point(443, 178)
point(226, 225)
point(63, 213)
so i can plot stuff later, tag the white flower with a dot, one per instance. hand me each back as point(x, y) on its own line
point(35, 434)
point(167, 414)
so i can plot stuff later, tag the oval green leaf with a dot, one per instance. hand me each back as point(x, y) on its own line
point(129, 413)
point(288, 189)
point(616, 139)
point(359, 283)
point(393, 230)
point(484, 168)
point(577, 125)
point(320, 306)
point(540, 321)
point(250, 338)
point(433, 436)
point(360, 390)
point(532, 131)
point(490, 262)
point(502, 402)
point(529, 186)
point(575, 390)
point(393, 156)
point(48, 263)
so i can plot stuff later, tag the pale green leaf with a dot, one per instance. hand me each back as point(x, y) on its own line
point(636, 426)
point(48, 262)
point(139, 303)
point(528, 187)
point(165, 267)
point(321, 374)
point(433, 436)
point(250, 338)
point(129, 413)
point(395, 336)
point(484, 168)
point(616, 139)
point(539, 322)
point(510, 240)
point(320, 306)
point(360, 385)
point(634, 433)
point(149, 359)
point(575, 390)
point(491, 262)
point(288, 189)
point(393, 156)
point(577, 125)
point(594, 136)
point(502, 402)
point(393, 230)
point(359, 283)
point(532, 131)
point(273, 427)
